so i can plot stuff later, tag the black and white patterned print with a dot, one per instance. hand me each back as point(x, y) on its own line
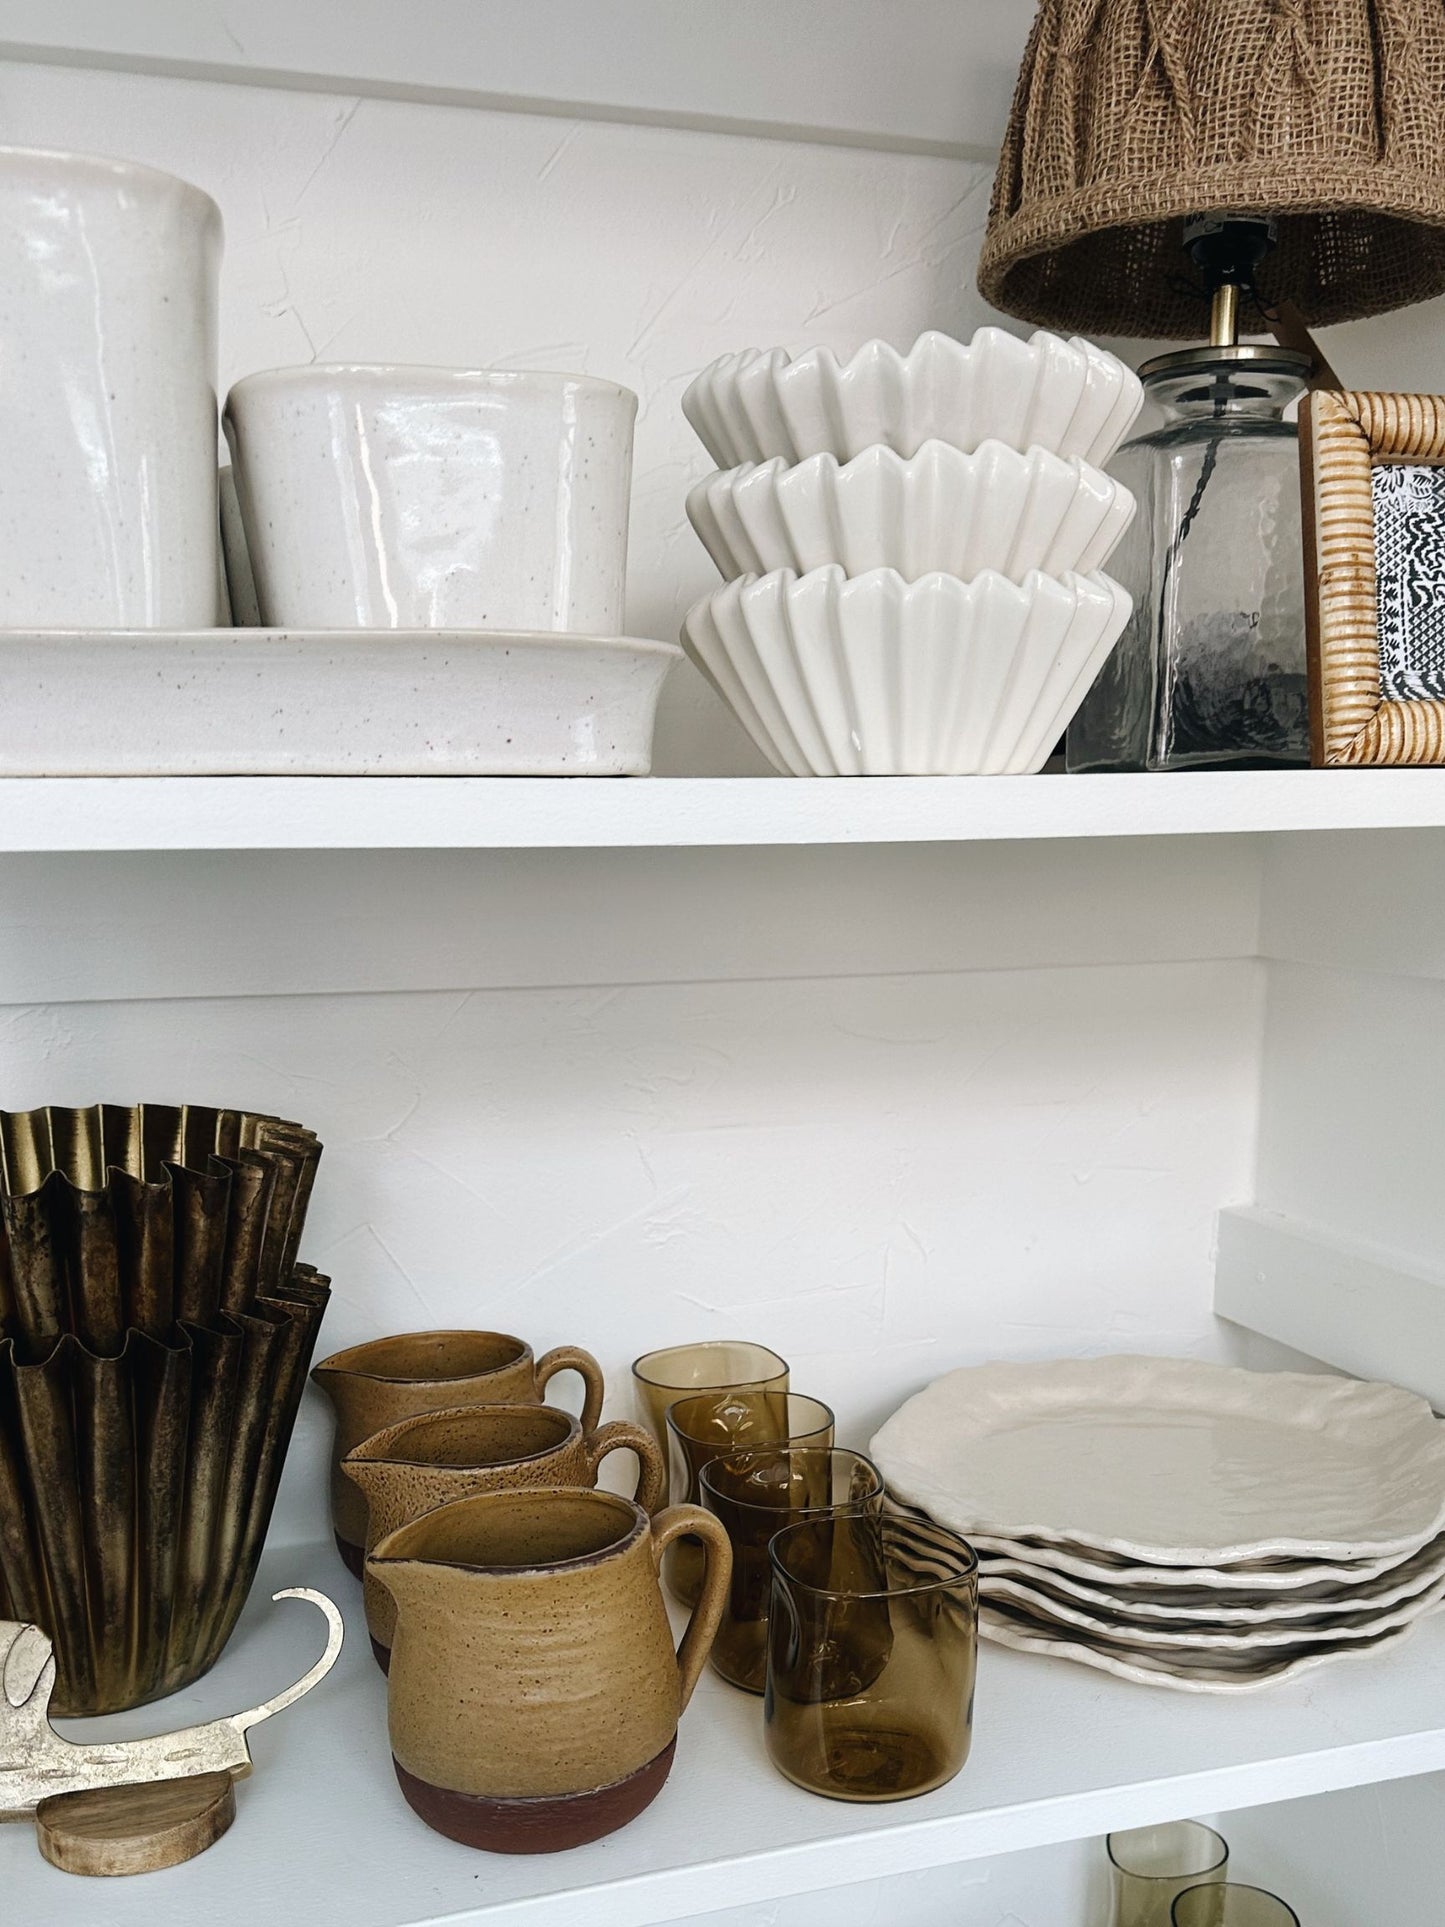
point(1410, 570)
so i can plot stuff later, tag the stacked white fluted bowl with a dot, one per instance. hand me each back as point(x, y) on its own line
point(911, 546)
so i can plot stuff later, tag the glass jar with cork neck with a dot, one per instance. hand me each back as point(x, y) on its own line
point(1210, 672)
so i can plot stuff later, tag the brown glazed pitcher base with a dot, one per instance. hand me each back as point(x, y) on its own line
point(382, 1655)
point(353, 1557)
point(546, 1825)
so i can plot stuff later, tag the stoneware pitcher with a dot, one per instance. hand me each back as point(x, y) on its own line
point(388, 1379)
point(411, 1468)
point(534, 1692)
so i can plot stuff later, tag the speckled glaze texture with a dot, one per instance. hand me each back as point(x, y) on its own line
point(409, 1469)
point(388, 1379)
point(107, 395)
point(416, 498)
point(350, 702)
point(533, 1657)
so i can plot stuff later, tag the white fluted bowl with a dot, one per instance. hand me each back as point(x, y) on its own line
point(1068, 397)
point(938, 510)
point(881, 677)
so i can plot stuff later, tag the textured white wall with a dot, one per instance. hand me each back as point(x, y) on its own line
point(376, 230)
point(881, 1176)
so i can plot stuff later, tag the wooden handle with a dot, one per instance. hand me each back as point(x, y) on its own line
point(620, 1433)
point(572, 1358)
point(712, 1598)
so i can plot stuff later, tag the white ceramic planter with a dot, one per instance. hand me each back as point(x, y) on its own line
point(107, 395)
point(411, 498)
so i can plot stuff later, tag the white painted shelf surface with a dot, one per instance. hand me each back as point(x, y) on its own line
point(308, 813)
point(323, 1834)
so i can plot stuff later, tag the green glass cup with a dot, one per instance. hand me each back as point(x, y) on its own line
point(871, 1658)
point(1152, 1866)
point(755, 1492)
point(703, 1427)
point(1227, 1905)
point(660, 1378)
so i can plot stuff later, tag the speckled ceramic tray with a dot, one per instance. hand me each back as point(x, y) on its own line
point(340, 702)
point(1171, 1462)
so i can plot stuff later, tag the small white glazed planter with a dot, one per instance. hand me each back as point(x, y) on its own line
point(418, 498)
point(107, 395)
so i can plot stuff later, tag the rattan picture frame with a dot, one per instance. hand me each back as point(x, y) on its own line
point(1373, 478)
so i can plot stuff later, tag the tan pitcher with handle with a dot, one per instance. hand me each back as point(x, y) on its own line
point(387, 1379)
point(534, 1693)
point(410, 1468)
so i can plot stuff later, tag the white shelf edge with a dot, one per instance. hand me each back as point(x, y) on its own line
point(42, 814)
point(1060, 1753)
point(1336, 1300)
point(910, 76)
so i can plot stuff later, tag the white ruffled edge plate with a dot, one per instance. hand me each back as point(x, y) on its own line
point(1003, 1632)
point(928, 1451)
point(1200, 1638)
point(1224, 1606)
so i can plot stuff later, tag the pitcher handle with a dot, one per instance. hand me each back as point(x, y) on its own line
point(712, 1599)
point(572, 1358)
point(651, 1466)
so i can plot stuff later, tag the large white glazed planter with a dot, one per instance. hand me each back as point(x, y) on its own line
point(107, 395)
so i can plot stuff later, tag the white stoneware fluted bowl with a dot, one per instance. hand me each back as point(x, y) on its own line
point(937, 510)
point(881, 677)
point(1068, 397)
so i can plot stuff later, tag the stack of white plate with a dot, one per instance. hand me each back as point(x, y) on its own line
point(1183, 1524)
point(911, 546)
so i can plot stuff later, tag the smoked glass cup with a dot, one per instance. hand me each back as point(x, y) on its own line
point(756, 1491)
point(1152, 1866)
point(706, 1425)
point(872, 1651)
point(716, 1365)
point(1226, 1905)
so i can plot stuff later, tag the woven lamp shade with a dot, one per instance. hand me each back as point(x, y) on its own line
point(1131, 115)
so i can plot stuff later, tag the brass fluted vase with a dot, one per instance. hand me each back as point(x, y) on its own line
point(155, 1335)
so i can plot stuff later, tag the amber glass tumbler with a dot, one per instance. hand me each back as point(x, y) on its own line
point(756, 1491)
point(1152, 1866)
point(1227, 1905)
point(659, 1379)
point(872, 1650)
point(703, 1426)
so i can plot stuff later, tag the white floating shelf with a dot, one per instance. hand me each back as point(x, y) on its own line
point(1059, 1753)
point(350, 813)
point(1352, 1306)
point(927, 75)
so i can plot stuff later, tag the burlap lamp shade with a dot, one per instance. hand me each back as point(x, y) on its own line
point(1131, 115)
